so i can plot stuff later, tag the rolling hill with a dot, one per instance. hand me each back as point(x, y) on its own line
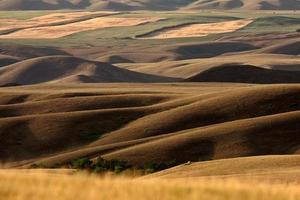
point(69, 69)
point(92, 4)
point(149, 4)
point(27, 51)
point(246, 4)
point(147, 123)
point(206, 104)
point(264, 168)
point(237, 73)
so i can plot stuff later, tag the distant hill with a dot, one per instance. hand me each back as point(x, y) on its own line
point(246, 4)
point(149, 4)
point(35, 4)
point(93, 4)
point(236, 73)
point(68, 69)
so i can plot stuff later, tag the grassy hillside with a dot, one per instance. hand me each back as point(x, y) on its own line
point(264, 22)
point(263, 168)
point(69, 69)
point(143, 124)
point(92, 4)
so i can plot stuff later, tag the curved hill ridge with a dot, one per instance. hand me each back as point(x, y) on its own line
point(249, 137)
point(290, 47)
point(149, 4)
point(25, 52)
point(236, 73)
point(264, 167)
point(69, 69)
point(193, 67)
point(92, 4)
point(148, 123)
point(7, 60)
point(246, 4)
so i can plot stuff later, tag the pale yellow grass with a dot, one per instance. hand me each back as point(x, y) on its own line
point(7, 24)
point(50, 32)
point(200, 30)
point(37, 186)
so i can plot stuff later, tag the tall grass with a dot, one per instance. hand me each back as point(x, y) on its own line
point(42, 186)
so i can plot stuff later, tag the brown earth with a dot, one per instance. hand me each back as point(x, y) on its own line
point(147, 123)
point(198, 30)
point(57, 31)
point(68, 69)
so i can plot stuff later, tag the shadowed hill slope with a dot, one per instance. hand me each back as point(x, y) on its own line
point(7, 60)
point(212, 49)
point(158, 53)
point(147, 123)
point(193, 67)
point(291, 47)
point(69, 69)
point(245, 74)
point(246, 4)
point(25, 52)
point(249, 137)
point(35, 5)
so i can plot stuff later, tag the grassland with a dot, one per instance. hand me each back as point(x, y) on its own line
point(146, 123)
point(104, 101)
point(21, 15)
point(264, 22)
point(63, 187)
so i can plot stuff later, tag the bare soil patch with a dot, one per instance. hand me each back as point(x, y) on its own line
point(198, 30)
point(8, 24)
point(50, 32)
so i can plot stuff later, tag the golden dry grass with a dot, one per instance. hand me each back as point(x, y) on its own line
point(8, 24)
point(283, 168)
point(199, 30)
point(36, 186)
point(50, 32)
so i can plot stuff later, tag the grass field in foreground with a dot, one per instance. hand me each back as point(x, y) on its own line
point(36, 186)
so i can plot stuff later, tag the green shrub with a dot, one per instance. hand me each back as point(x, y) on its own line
point(83, 163)
point(37, 166)
point(111, 165)
point(154, 167)
point(117, 166)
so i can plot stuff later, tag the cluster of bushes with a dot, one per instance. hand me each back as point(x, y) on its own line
point(154, 167)
point(101, 165)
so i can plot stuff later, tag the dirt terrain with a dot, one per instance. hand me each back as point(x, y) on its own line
point(39, 29)
point(197, 30)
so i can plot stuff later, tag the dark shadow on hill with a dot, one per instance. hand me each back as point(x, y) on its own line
point(208, 50)
point(275, 138)
point(236, 73)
